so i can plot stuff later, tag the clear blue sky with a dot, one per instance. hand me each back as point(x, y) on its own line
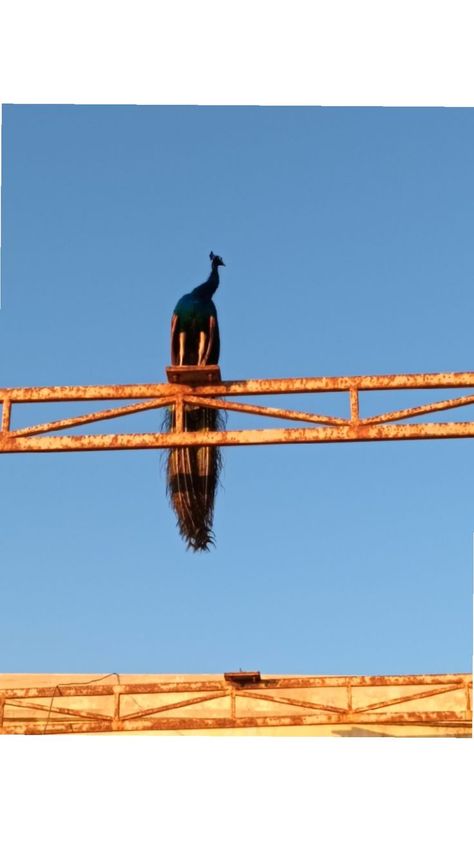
point(347, 235)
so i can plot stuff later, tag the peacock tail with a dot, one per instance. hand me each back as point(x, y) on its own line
point(192, 478)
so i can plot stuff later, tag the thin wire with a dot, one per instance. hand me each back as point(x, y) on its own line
point(73, 684)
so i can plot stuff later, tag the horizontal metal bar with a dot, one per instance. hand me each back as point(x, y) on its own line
point(426, 719)
point(228, 438)
point(298, 385)
point(55, 394)
point(137, 689)
point(306, 682)
point(55, 727)
point(401, 717)
point(91, 417)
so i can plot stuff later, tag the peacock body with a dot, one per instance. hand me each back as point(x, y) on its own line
point(194, 326)
point(193, 472)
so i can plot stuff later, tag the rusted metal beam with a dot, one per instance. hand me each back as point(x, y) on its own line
point(23, 704)
point(411, 698)
point(91, 417)
point(137, 689)
point(116, 716)
point(55, 394)
point(301, 385)
point(227, 438)
point(425, 409)
point(98, 727)
point(185, 703)
point(285, 700)
point(354, 401)
point(6, 414)
point(179, 415)
point(400, 717)
point(296, 385)
point(254, 409)
point(428, 718)
point(349, 695)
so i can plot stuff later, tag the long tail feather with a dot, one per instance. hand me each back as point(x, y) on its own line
point(192, 478)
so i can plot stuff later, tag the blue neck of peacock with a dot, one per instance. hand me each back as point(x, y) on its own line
point(209, 287)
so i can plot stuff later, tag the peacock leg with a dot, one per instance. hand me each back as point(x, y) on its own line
point(182, 339)
point(174, 325)
point(212, 323)
point(202, 348)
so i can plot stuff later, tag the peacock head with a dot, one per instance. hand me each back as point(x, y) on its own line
point(216, 260)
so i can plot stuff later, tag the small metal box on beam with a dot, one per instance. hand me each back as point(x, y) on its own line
point(243, 677)
point(193, 375)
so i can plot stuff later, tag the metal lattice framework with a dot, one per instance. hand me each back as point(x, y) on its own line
point(238, 701)
point(269, 702)
point(191, 386)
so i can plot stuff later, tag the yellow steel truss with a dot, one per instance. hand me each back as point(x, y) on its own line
point(432, 705)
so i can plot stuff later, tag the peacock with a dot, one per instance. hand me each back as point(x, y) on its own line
point(193, 472)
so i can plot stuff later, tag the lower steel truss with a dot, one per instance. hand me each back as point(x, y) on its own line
point(191, 387)
point(403, 705)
